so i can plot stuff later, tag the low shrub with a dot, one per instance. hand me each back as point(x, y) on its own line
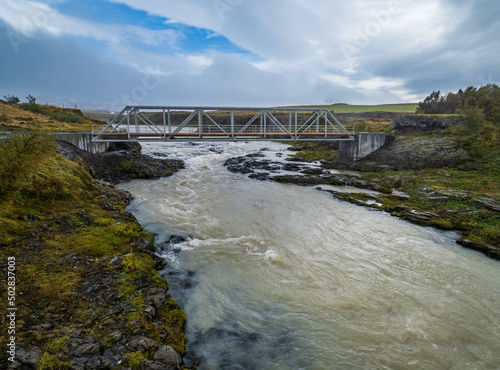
point(20, 154)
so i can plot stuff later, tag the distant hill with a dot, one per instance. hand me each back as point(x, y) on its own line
point(396, 108)
point(98, 114)
point(44, 117)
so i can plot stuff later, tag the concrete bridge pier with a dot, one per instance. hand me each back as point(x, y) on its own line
point(83, 140)
point(363, 144)
point(352, 150)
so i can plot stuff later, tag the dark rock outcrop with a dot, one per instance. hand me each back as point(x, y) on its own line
point(122, 162)
point(410, 124)
point(490, 251)
point(411, 153)
point(422, 152)
point(307, 175)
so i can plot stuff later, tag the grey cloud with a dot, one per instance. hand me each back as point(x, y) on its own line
point(298, 41)
point(231, 82)
point(466, 55)
point(54, 66)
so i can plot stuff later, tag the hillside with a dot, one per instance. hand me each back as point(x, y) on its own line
point(347, 108)
point(15, 117)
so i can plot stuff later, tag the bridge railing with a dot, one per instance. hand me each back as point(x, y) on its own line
point(167, 123)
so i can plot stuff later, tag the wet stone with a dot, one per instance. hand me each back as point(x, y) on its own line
point(262, 176)
point(167, 355)
point(292, 167)
point(312, 171)
point(399, 195)
point(176, 250)
point(298, 159)
point(255, 155)
point(176, 239)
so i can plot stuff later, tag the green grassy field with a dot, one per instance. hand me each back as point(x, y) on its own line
point(344, 108)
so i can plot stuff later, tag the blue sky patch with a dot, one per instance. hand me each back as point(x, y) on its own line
point(111, 13)
point(196, 40)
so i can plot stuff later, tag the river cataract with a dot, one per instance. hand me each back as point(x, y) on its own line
point(276, 276)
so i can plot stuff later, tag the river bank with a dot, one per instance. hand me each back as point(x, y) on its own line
point(87, 291)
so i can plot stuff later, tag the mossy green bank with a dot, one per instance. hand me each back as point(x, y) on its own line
point(83, 263)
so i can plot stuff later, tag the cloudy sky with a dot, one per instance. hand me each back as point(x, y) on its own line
point(246, 52)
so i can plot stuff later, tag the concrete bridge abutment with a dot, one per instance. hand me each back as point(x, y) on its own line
point(365, 143)
point(83, 140)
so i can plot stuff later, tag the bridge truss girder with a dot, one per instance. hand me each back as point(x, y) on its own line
point(136, 123)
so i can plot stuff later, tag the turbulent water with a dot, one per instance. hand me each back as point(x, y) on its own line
point(277, 276)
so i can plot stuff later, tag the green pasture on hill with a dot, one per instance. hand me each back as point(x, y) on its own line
point(345, 108)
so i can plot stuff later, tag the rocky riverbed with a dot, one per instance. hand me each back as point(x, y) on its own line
point(293, 170)
point(424, 206)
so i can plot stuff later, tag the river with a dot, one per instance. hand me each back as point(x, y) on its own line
point(276, 276)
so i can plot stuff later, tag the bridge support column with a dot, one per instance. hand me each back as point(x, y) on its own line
point(364, 144)
point(84, 142)
point(232, 124)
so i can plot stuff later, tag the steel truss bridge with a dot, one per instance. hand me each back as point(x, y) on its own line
point(173, 123)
